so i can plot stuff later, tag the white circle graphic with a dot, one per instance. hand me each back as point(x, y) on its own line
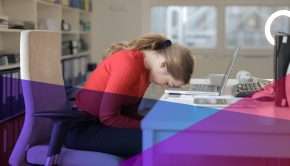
point(269, 22)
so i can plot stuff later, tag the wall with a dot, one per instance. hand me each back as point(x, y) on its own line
point(117, 20)
point(113, 21)
point(259, 63)
point(259, 66)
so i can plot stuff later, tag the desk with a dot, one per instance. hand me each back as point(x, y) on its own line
point(175, 126)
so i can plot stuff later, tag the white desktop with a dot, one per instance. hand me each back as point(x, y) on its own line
point(175, 113)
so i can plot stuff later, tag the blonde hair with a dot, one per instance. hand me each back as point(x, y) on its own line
point(178, 59)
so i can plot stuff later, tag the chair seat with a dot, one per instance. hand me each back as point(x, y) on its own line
point(71, 157)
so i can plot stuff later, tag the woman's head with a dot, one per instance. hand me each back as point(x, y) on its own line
point(169, 64)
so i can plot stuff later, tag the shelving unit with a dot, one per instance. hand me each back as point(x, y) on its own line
point(47, 3)
point(38, 15)
point(44, 15)
point(9, 67)
point(70, 32)
point(11, 30)
point(66, 57)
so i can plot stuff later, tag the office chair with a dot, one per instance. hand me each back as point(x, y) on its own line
point(47, 111)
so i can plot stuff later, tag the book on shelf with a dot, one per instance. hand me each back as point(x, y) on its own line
point(52, 1)
point(3, 27)
point(66, 72)
point(15, 92)
point(8, 82)
point(84, 71)
point(3, 60)
point(87, 5)
point(3, 22)
point(2, 95)
point(80, 4)
point(76, 70)
point(75, 3)
point(5, 95)
point(11, 97)
point(65, 2)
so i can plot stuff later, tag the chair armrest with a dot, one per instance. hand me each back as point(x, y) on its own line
point(61, 120)
point(61, 115)
point(72, 99)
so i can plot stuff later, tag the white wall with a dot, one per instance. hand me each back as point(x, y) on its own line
point(113, 21)
point(259, 63)
point(117, 20)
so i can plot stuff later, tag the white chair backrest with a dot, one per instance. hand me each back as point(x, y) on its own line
point(42, 85)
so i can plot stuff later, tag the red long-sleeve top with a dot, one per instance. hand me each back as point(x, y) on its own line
point(114, 89)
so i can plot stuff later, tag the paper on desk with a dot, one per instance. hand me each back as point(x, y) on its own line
point(182, 99)
point(188, 92)
point(227, 102)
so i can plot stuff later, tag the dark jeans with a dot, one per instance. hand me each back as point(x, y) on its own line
point(91, 135)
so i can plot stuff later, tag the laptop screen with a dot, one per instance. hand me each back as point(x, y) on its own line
point(228, 71)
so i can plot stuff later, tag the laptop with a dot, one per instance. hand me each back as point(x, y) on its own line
point(206, 89)
point(217, 88)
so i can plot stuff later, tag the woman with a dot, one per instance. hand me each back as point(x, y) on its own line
point(114, 89)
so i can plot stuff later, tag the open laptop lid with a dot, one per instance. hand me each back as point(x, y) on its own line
point(228, 72)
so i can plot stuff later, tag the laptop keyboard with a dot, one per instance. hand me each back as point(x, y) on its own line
point(205, 88)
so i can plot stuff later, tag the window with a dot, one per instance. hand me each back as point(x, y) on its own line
point(192, 26)
point(203, 27)
point(245, 26)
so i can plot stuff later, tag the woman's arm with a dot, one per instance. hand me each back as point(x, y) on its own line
point(118, 89)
